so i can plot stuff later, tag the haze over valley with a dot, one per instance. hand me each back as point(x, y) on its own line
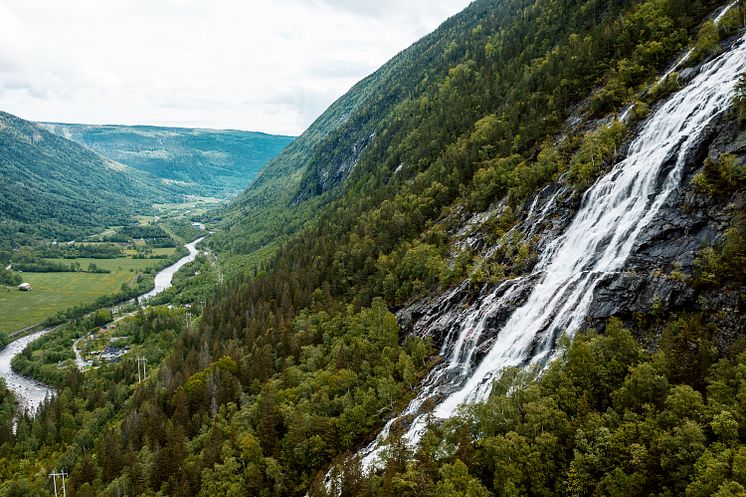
point(486, 248)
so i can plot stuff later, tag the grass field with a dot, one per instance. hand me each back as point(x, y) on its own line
point(156, 251)
point(120, 264)
point(197, 207)
point(54, 292)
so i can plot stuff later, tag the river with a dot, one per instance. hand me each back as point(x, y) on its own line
point(29, 393)
point(164, 278)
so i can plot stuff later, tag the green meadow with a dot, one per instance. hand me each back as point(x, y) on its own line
point(54, 292)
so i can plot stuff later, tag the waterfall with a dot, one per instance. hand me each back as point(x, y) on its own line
point(671, 69)
point(725, 10)
point(597, 243)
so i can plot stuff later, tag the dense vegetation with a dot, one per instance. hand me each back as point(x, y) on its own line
point(153, 235)
point(206, 162)
point(79, 250)
point(295, 365)
point(606, 419)
point(75, 191)
point(468, 115)
point(9, 277)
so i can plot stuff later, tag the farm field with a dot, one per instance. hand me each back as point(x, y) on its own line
point(54, 292)
point(119, 264)
point(196, 207)
point(156, 251)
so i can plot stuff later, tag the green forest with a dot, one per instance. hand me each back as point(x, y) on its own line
point(290, 364)
point(73, 190)
point(204, 161)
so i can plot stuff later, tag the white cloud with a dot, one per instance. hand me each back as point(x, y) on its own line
point(269, 65)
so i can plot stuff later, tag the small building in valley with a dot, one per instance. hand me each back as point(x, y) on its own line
point(24, 287)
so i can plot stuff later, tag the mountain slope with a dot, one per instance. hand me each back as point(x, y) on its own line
point(208, 162)
point(51, 187)
point(495, 81)
point(467, 182)
point(324, 155)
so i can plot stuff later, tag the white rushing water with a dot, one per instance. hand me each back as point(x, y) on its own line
point(164, 278)
point(675, 67)
point(29, 393)
point(597, 243)
point(725, 10)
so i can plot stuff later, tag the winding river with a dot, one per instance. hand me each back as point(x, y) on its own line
point(163, 279)
point(29, 393)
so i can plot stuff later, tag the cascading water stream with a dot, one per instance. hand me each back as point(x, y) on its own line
point(725, 10)
point(597, 243)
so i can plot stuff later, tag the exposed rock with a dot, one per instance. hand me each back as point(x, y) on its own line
point(322, 178)
point(668, 248)
point(657, 272)
point(688, 74)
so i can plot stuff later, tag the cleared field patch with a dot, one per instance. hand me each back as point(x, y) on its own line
point(54, 292)
point(164, 251)
point(122, 264)
point(156, 251)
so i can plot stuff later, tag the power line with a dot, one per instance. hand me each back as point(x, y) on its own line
point(54, 476)
point(141, 361)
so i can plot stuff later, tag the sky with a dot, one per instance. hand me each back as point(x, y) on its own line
point(259, 65)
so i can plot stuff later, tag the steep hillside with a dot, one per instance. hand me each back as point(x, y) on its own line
point(498, 80)
point(424, 207)
point(207, 162)
point(322, 157)
point(522, 174)
point(53, 188)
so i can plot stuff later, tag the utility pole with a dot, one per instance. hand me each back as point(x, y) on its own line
point(141, 361)
point(221, 278)
point(54, 477)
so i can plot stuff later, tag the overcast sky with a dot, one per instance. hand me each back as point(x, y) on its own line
point(264, 65)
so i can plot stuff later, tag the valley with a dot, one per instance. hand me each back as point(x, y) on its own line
point(29, 393)
point(158, 195)
point(509, 262)
point(206, 162)
point(64, 282)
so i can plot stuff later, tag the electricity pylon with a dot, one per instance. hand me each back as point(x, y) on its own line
point(54, 477)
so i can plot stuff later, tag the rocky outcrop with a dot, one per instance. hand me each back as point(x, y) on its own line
point(322, 177)
point(657, 272)
point(657, 275)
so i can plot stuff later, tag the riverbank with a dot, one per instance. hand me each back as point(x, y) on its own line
point(25, 331)
point(30, 393)
point(163, 280)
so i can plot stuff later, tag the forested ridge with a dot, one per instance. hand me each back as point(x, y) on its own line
point(296, 363)
point(204, 161)
point(73, 190)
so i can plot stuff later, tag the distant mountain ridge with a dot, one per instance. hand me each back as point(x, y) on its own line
point(51, 187)
point(208, 162)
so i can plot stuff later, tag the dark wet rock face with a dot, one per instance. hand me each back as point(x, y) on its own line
point(324, 177)
point(443, 317)
point(658, 271)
